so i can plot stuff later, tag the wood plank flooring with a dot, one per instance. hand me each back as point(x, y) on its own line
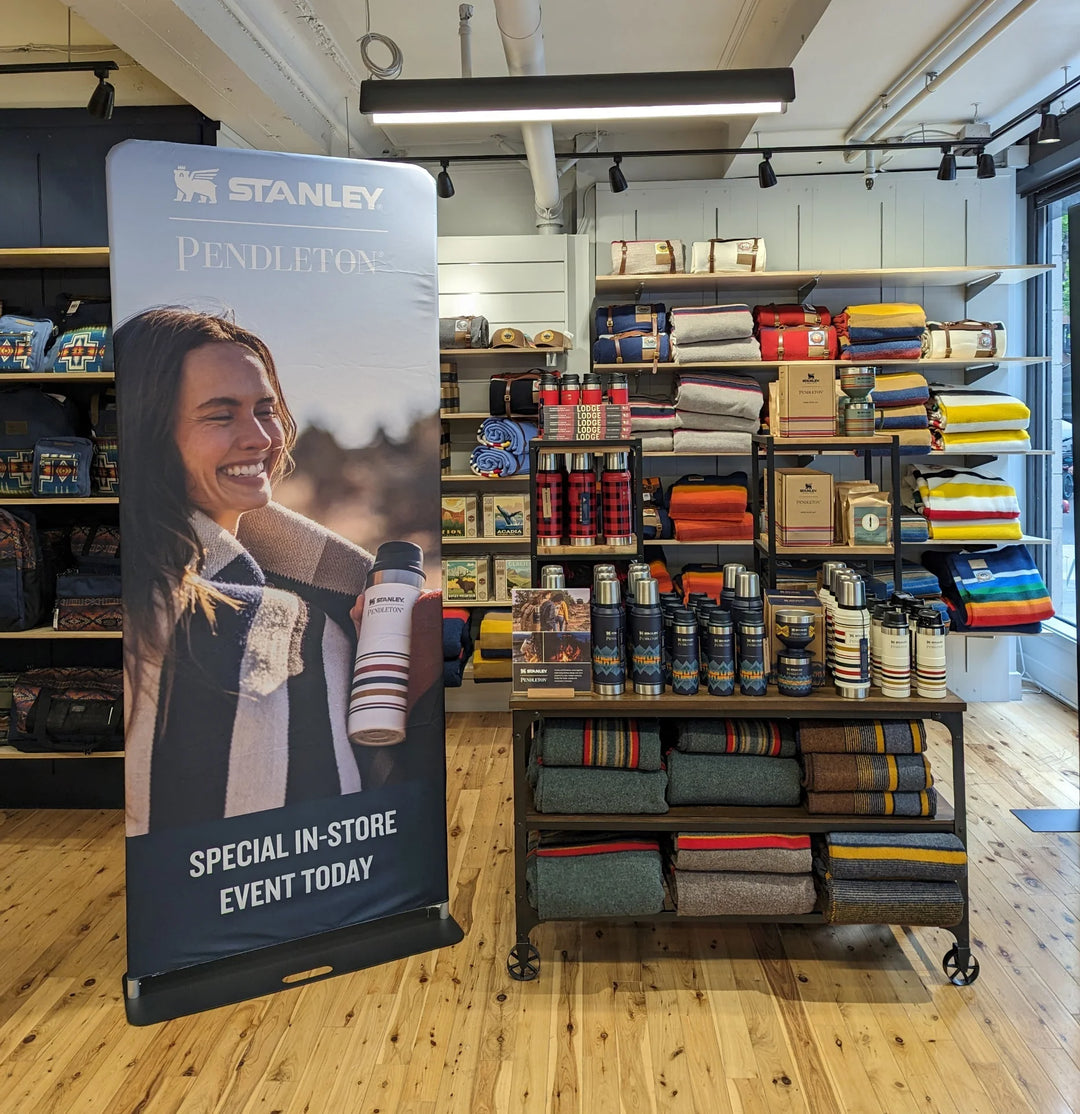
point(743, 1019)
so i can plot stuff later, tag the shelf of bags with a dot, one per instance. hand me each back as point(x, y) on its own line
point(473, 478)
point(7, 752)
point(491, 543)
point(501, 353)
point(587, 551)
point(48, 632)
point(61, 501)
point(54, 257)
point(772, 365)
point(715, 543)
point(463, 415)
point(58, 377)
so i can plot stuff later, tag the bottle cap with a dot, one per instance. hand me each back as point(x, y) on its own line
point(684, 617)
point(615, 462)
point(552, 576)
point(647, 593)
point(608, 594)
point(403, 556)
point(930, 619)
point(581, 462)
point(731, 572)
point(851, 591)
point(895, 617)
point(748, 586)
point(548, 462)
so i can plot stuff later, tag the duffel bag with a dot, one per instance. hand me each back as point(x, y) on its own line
point(68, 708)
point(719, 256)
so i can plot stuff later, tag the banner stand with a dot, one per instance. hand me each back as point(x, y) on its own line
point(225, 982)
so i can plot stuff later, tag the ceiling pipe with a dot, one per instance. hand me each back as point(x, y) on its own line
point(523, 44)
point(465, 32)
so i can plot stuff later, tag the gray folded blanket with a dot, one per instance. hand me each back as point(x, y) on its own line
point(579, 789)
point(711, 441)
point(732, 779)
point(746, 350)
point(728, 423)
point(772, 737)
point(766, 852)
point(714, 893)
point(696, 324)
point(630, 744)
point(657, 441)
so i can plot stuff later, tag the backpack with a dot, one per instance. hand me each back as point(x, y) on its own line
point(22, 575)
point(68, 708)
point(23, 341)
point(26, 416)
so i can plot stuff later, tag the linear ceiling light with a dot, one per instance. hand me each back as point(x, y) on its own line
point(555, 98)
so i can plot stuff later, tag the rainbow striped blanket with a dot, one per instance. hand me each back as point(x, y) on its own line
point(998, 588)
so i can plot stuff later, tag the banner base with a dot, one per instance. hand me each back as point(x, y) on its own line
point(224, 982)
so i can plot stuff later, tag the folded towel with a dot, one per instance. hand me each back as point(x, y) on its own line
point(905, 389)
point(694, 324)
point(708, 441)
point(854, 901)
point(738, 527)
point(716, 393)
point(884, 315)
point(861, 803)
point(706, 497)
point(596, 790)
point(506, 433)
point(568, 875)
point(732, 779)
point(964, 340)
point(1000, 588)
point(660, 441)
point(715, 893)
point(798, 344)
point(788, 314)
point(877, 736)
point(880, 350)
point(720, 423)
point(647, 414)
point(977, 411)
point(902, 417)
point(628, 744)
point(650, 317)
point(736, 736)
point(992, 441)
point(743, 351)
point(634, 348)
point(491, 463)
point(923, 856)
point(767, 852)
point(834, 773)
point(496, 631)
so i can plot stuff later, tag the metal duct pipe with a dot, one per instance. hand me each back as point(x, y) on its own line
point(523, 44)
point(465, 32)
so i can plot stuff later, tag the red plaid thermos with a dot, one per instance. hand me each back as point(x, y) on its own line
point(550, 500)
point(581, 498)
point(616, 493)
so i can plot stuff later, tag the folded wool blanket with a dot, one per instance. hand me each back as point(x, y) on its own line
point(487, 668)
point(865, 335)
point(732, 779)
point(647, 257)
point(791, 314)
point(856, 901)
point(491, 463)
point(633, 348)
point(464, 332)
point(454, 671)
point(876, 736)
point(737, 396)
point(955, 495)
point(791, 343)
point(696, 578)
point(628, 744)
point(659, 572)
point(902, 417)
point(976, 411)
point(743, 351)
point(913, 442)
point(715, 893)
point(496, 631)
point(739, 527)
point(597, 790)
point(708, 441)
point(647, 415)
point(915, 580)
point(707, 497)
point(717, 423)
point(837, 773)
point(568, 875)
point(883, 315)
point(953, 618)
point(774, 738)
point(697, 324)
point(455, 631)
point(649, 317)
point(765, 852)
point(506, 433)
point(715, 256)
point(964, 340)
point(987, 530)
point(870, 352)
point(913, 529)
point(490, 655)
point(998, 588)
point(658, 441)
point(922, 856)
point(872, 803)
point(904, 389)
point(993, 441)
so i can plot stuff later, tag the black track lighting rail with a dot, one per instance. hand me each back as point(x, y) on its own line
point(99, 69)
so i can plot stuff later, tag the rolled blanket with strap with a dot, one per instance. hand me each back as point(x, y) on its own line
point(464, 332)
point(999, 588)
point(877, 736)
point(598, 790)
point(568, 875)
point(706, 497)
point(896, 773)
point(708, 441)
point(964, 340)
point(628, 744)
point(791, 315)
point(737, 527)
point(902, 417)
point(904, 389)
point(647, 257)
point(856, 901)
point(746, 253)
point(714, 893)
point(767, 852)
point(860, 803)
point(506, 433)
point(646, 414)
point(736, 736)
point(732, 779)
point(798, 344)
point(884, 315)
point(696, 324)
point(977, 411)
point(491, 463)
point(743, 351)
point(716, 393)
point(923, 856)
point(632, 348)
point(649, 317)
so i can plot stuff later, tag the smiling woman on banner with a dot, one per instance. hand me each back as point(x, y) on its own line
point(240, 612)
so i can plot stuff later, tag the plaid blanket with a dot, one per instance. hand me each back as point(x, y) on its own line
point(735, 736)
point(833, 773)
point(922, 856)
point(862, 803)
point(877, 736)
point(768, 852)
point(628, 744)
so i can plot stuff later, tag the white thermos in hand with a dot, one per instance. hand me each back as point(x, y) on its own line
point(380, 686)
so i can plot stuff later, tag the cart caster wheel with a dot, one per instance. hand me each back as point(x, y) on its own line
point(523, 962)
point(954, 973)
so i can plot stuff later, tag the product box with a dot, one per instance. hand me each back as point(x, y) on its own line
point(465, 579)
point(507, 516)
point(776, 599)
point(803, 499)
point(806, 398)
point(459, 517)
point(608, 421)
point(552, 633)
point(510, 573)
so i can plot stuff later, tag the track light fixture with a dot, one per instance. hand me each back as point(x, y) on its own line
point(1048, 127)
point(616, 177)
point(444, 187)
point(946, 171)
point(766, 176)
point(986, 167)
point(100, 105)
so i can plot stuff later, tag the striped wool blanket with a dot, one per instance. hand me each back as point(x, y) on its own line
point(913, 442)
point(922, 856)
point(659, 572)
point(734, 527)
point(735, 736)
point(455, 630)
point(568, 875)
point(697, 579)
point(907, 388)
point(870, 351)
point(873, 803)
point(914, 579)
point(977, 530)
point(857, 901)
point(893, 773)
point(883, 315)
point(649, 317)
point(491, 668)
point(902, 417)
point(715, 423)
point(976, 411)
point(748, 894)
point(732, 779)
point(650, 414)
point(715, 393)
point(706, 497)
point(628, 744)
point(913, 529)
point(496, 630)
point(874, 335)
point(767, 852)
point(992, 441)
point(875, 736)
point(957, 495)
point(510, 434)
point(599, 790)
point(708, 441)
point(633, 348)
point(744, 350)
point(777, 315)
point(698, 324)
point(998, 588)
point(790, 343)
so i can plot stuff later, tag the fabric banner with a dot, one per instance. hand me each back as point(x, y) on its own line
point(276, 339)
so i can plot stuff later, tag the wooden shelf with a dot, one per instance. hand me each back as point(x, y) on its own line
point(586, 551)
point(812, 444)
point(716, 543)
point(58, 377)
point(886, 551)
point(475, 543)
point(49, 633)
point(11, 753)
point(772, 365)
point(54, 258)
point(63, 501)
point(463, 415)
point(472, 478)
point(500, 353)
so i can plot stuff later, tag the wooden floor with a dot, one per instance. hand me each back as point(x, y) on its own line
point(683, 1018)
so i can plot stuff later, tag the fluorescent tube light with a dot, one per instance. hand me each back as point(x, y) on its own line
point(561, 115)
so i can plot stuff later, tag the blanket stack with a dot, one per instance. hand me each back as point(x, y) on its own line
point(748, 874)
point(733, 762)
point(997, 590)
point(573, 874)
point(916, 580)
point(654, 421)
point(707, 508)
point(494, 648)
point(457, 644)
point(714, 334)
point(795, 332)
point(598, 766)
point(886, 331)
point(869, 768)
point(963, 504)
point(978, 421)
point(503, 447)
point(901, 410)
point(716, 413)
point(908, 878)
point(632, 334)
